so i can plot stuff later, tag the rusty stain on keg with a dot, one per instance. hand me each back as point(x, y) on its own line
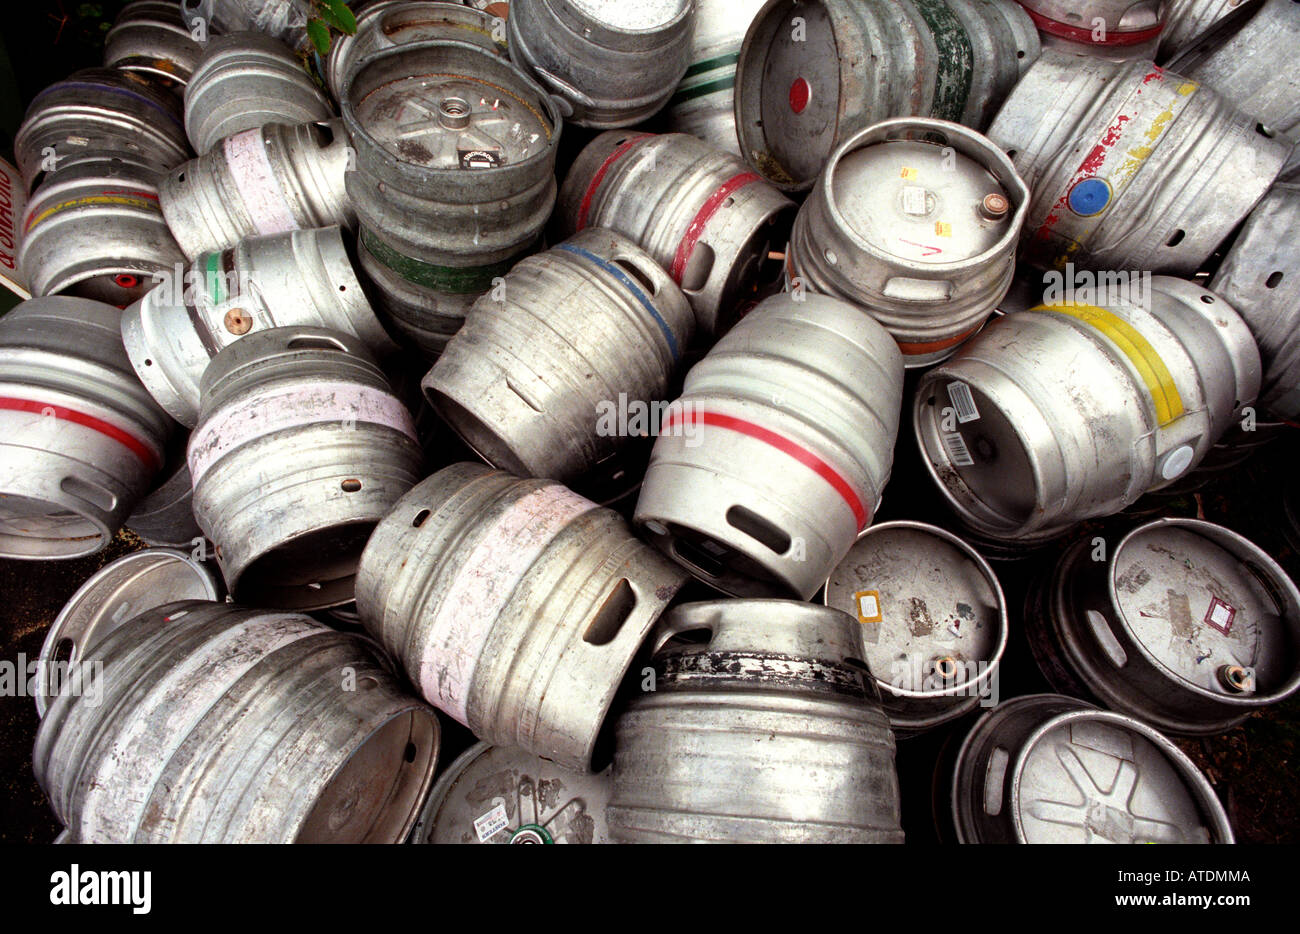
point(919, 619)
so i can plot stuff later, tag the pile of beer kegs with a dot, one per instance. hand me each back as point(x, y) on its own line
point(537, 371)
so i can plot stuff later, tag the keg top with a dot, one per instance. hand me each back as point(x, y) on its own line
point(1209, 608)
point(493, 794)
point(1092, 776)
point(635, 17)
point(920, 201)
point(931, 613)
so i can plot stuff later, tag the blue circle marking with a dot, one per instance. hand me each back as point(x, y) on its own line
point(1090, 197)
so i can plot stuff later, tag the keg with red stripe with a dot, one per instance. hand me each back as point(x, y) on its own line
point(774, 457)
point(301, 448)
point(700, 212)
point(80, 438)
point(917, 222)
point(1112, 29)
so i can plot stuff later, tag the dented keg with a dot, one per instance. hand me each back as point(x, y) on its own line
point(300, 450)
point(214, 724)
point(933, 621)
point(612, 63)
point(1250, 63)
point(700, 212)
point(1184, 624)
point(80, 439)
point(153, 38)
point(112, 596)
point(811, 75)
point(1110, 29)
point(1131, 166)
point(493, 794)
point(535, 380)
point(773, 459)
point(1260, 277)
point(515, 606)
point(94, 229)
point(768, 732)
point(1072, 411)
point(304, 277)
point(164, 517)
point(917, 222)
point(704, 103)
point(266, 180)
point(1186, 20)
point(389, 23)
point(1050, 769)
point(100, 110)
point(446, 211)
point(247, 80)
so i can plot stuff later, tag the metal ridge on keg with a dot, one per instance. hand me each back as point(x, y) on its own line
point(153, 38)
point(1115, 29)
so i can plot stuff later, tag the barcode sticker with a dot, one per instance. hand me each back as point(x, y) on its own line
point(868, 602)
point(491, 823)
point(960, 395)
point(957, 450)
point(914, 200)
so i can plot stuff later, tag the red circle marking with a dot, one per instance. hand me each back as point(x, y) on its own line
point(786, 446)
point(125, 280)
point(800, 94)
point(710, 207)
point(131, 443)
point(585, 208)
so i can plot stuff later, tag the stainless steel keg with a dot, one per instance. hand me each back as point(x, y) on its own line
point(1185, 20)
point(155, 39)
point(1110, 29)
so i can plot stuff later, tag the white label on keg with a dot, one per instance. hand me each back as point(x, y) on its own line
point(253, 175)
point(915, 200)
point(956, 446)
point(260, 414)
point(868, 606)
point(459, 627)
point(1220, 615)
point(492, 823)
point(962, 402)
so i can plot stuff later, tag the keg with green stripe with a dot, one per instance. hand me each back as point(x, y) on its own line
point(1071, 411)
point(591, 326)
point(454, 178)
point(812, 74)
point(704, 103)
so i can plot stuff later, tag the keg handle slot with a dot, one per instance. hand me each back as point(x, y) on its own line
point(907, 289)
point(608, 621)
point(1106, 638)
point(91, 493)
point(677, 624)
point(995, 780)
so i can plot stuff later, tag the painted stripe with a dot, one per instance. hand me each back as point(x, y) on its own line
point(259, 189)
point(146, 453)
point(584, 208)
point(781, 443)
point(135, 199)
point(686, 248)
point(216, 281)
point(1078, 34)
point(109, 89)
point(632, 287)
point(456, 633)
point(702, 90)
point(710, 64)
point(1145, 358)
point(457, 280)
point(956, 61)
point(261, 413)
point(917, 349)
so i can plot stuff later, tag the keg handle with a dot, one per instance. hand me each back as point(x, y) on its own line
point(566, 91)
point(675, 624)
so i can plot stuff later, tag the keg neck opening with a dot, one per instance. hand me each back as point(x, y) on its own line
point(312, 571)
point(482, 439)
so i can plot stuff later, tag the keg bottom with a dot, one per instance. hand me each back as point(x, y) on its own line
point(35, 529)
point(312, 571)
point(375, 796)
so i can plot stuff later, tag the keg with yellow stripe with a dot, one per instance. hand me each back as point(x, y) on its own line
point(1070, 411)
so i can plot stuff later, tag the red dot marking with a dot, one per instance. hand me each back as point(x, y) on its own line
point(800, 94)
point(126, 281)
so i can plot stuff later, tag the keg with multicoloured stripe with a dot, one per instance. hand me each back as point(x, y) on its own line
point(301, 448)
point(154, 38)
point(267, 180)
point(1112, 29)
point(704, 103)
point(515, 606)
point(454, 181)
point(812, 74)
point(537, 379)
point(1072, 411)
point(767, 731)
point(1260, 277)
point(94, 228)
point(100, 110)
point(774, 457)
point(1131, 166)
point(210, 723)
point(916, 222)
point(247, 80)
point(300, 277)
point(611, 63)
point(390, 23)
point(80, 438)
point(700, 212)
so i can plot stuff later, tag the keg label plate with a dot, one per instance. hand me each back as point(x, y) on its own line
point(492, 823)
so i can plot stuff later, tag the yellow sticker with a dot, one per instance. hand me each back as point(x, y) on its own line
point(1187, 88)
point(907, 173)
point(1145, 358)
point(942, 229)
point(868, 606)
